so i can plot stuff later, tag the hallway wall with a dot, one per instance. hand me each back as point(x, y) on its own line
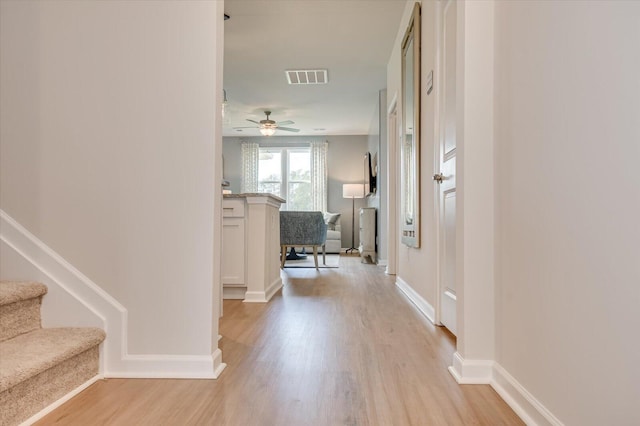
point(567, 205)
point(418, 266)
point(107, 153)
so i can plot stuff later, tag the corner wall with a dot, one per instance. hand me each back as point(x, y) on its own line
point(567, 206)
point(417, 268)
point(108, 124)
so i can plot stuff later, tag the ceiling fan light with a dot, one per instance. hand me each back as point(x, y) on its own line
point(267, 131)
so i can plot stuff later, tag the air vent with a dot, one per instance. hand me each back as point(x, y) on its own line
point(307, 76)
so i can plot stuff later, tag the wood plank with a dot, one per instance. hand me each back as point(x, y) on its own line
point(334, 347)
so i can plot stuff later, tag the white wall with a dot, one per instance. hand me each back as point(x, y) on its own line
point(107, 152)
point(568, 203)
point(417, 267)
point(344, 158)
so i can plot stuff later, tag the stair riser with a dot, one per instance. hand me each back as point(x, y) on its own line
point(31, 396)
point(19, 317)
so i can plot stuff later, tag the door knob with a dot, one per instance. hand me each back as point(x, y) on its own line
point(438, 177)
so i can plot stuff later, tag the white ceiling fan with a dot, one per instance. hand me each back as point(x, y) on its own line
point(268, 127)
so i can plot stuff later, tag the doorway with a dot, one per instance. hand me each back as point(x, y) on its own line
point(446, 177)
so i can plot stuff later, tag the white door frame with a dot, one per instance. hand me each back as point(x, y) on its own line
point(392, 186)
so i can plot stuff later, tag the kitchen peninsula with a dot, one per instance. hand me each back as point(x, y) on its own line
point(251, 246)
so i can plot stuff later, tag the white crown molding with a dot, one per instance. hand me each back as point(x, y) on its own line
point(115, 361)
point(421, 303)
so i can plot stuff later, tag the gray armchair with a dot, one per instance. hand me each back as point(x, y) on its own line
point(302, 229)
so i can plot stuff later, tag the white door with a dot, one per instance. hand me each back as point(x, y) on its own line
point(446, 177)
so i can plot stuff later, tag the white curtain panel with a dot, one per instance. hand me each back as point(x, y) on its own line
point(250, 159)
point(319, 175)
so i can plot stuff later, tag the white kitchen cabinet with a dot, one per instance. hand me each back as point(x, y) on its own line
point(250, 246)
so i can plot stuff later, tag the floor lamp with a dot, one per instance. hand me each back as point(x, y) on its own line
point(353, 191)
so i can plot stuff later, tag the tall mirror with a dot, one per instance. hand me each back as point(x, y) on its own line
point(410, 152)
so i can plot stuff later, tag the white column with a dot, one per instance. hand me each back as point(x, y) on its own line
point(473, 361)
point(262, 248)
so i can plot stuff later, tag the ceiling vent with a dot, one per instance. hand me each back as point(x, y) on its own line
point(307, 76)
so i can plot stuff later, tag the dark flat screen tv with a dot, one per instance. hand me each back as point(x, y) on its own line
point(370, 178)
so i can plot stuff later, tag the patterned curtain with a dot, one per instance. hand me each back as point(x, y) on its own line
point(319, 175)
point(250, 159)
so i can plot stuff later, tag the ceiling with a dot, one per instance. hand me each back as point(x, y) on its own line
point(352, 39)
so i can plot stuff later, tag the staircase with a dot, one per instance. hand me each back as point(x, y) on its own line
point(38, 365)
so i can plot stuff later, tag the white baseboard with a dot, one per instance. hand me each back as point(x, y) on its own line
point(40, 414)
point(115, 361)
point(421, 303)
point(66, 277)
point(471, 372)
point(171, 366)
point(383, 262)
point(263, 296)
point(525, 405)
point(521, 401)
point(233, 293)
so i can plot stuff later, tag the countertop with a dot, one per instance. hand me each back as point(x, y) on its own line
point(255, 194)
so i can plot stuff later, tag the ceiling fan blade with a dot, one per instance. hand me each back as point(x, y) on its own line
point(245, 127)
point(288, 129)
point(253, 121)
point(285, 123)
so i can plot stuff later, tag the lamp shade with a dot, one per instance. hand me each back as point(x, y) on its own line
point(352, 190)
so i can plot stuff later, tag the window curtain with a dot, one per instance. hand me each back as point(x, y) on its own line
point(319, 175)
point(250, 159)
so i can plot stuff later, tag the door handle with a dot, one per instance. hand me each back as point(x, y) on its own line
point(438, 177)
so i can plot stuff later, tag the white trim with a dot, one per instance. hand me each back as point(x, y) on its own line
point(525, 405)
point(521, 401)
point(115, 361)
point(233, 293)
point(471, 371)
point(111, 313)
point(393, 136)
point(268, 199)
point(263, 296)
point(171, 366)
point(422, 305)
point(40, 414)
point(383, 262)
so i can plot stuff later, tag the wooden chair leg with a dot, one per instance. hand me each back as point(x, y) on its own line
point(283, 256)
point(315, 255)
point(324, 255)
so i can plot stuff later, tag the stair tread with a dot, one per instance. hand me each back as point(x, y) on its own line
point(15, 291)
point(29, 354)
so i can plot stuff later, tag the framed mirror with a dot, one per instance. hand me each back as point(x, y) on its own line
point(410, 138)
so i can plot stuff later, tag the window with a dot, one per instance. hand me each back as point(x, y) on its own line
point(297, 174)
point(286, 172)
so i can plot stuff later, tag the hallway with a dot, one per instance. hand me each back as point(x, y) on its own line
point(335, 347)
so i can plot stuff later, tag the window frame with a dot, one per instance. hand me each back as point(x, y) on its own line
point(285, 163)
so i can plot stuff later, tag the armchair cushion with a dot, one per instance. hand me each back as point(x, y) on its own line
point(302, 229)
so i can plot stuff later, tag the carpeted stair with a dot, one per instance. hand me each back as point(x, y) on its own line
point(38, 365)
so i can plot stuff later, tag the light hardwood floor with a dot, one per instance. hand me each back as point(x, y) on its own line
point(335, 347)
